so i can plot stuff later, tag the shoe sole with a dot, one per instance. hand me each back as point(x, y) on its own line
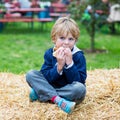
point(72, 108)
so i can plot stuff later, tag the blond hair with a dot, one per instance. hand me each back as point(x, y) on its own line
point(64, 26)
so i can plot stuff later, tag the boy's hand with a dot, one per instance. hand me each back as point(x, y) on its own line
point(68, 56)
point(60, 56)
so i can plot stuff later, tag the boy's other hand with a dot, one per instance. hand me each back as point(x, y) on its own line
point(68, 56)
point(60, 56)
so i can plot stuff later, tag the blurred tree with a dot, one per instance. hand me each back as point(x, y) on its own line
point(77, 8)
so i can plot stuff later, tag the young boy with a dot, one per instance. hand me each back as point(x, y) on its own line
point(63, 73)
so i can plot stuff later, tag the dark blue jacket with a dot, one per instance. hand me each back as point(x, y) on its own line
point(77, 72)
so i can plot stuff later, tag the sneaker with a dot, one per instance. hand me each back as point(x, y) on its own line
point(65, 105)
point(33, 96)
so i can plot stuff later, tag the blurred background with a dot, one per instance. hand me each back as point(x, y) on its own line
point(25, 27)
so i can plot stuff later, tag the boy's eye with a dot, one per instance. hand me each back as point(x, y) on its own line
point(62, 38)
point(71, 39)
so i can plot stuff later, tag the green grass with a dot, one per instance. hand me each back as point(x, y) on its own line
point(22, 49)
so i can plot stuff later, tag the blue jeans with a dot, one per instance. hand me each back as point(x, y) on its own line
point(45, 91)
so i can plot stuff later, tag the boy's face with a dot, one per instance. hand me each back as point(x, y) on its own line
point(65, 41)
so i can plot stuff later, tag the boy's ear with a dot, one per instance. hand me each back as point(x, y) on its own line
point(53, 41)
point(76, 40)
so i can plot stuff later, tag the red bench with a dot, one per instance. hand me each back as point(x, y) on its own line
point(4, 20)
point(56, 15)
point(25, 19)
point(58, 10)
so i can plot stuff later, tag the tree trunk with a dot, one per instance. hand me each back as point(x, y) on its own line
point(92, 34)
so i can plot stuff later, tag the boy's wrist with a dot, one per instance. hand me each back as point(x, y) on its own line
point(69, 65)
point(59, 70)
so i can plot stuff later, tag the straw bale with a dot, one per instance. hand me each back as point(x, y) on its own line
point(102, 101)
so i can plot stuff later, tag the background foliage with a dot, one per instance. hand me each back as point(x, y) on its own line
point(22, 49)
point(77, 9)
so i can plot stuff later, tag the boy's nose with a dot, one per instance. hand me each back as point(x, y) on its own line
point(66, 41)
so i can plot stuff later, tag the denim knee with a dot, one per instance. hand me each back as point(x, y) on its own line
point(29, 75)
point(79, 90)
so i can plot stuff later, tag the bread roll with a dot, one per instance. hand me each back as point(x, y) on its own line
point(54, 51)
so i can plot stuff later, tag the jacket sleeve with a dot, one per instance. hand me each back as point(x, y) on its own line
point(49, 69)
point(78, 71)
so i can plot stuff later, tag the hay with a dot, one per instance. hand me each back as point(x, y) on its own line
point(101, 103)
